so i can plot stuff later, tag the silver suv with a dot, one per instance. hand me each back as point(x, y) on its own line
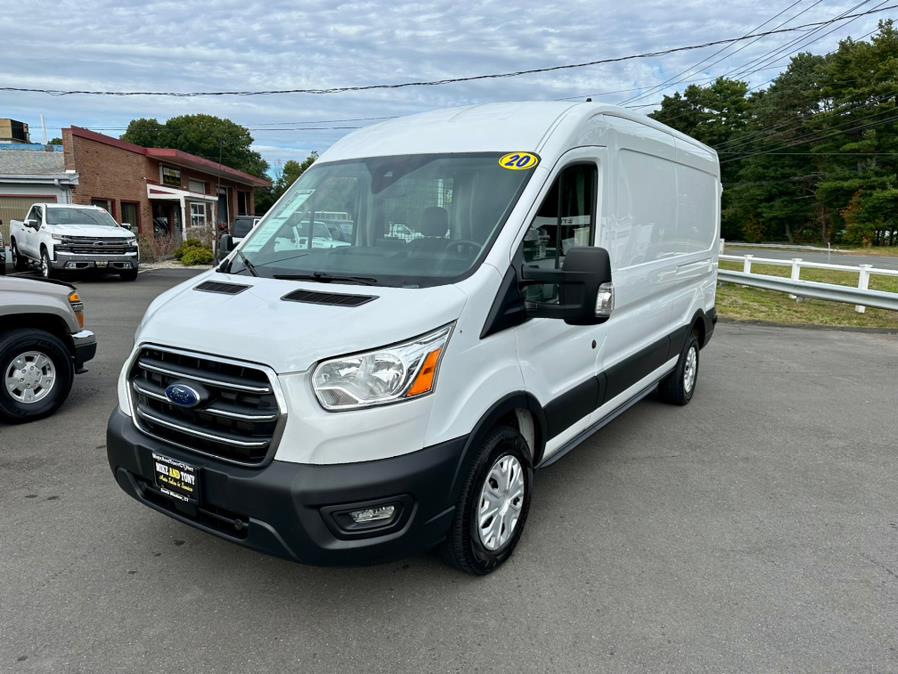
point(43, 344)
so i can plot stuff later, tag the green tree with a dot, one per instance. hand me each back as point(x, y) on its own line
point(56, 141)
point(283, 179)
point(146, 132)
point(207, 136)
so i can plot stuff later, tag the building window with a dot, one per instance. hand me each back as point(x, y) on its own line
point(197, 215)
point(243, 203)
point(170, 176)
point(104, 203)
point(131, 215)
point(197, 186)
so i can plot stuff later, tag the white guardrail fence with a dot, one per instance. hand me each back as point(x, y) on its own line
point(861, 296)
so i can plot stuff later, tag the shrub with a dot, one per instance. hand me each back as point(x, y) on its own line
point(196, 255)
point(156, 248)
point(189, 243)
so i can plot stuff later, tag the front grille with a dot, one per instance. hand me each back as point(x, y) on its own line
point(96, 250)
point(237, 419)
point(92, 245)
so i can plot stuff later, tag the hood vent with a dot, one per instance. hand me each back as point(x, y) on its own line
point(219, 287)
point(333, 299)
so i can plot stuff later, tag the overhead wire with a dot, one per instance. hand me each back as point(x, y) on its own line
point(439, 82)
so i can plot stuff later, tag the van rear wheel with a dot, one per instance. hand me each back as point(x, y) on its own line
point(492, 508)
point(678, 387)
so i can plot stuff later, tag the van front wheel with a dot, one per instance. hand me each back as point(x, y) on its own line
point(678, 387)
point(492, 508)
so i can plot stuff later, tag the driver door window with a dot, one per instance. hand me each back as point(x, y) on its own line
point(566, 218)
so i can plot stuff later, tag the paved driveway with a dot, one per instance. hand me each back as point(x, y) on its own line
point(754, 530)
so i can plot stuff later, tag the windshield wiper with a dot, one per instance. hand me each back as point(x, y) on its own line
point(250, 267)
point(324, 277)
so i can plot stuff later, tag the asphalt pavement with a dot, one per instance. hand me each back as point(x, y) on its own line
point(880, 261)
point(755, 529)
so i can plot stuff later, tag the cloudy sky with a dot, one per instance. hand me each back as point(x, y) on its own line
point(262, 44)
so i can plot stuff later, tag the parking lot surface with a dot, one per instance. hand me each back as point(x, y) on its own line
point(755, 529)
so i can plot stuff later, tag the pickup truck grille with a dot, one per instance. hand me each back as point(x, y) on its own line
point(237, 418)
point(94, 245)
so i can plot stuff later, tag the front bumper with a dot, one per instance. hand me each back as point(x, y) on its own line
point(85, 343)
point(74, 261)
point(286, 509)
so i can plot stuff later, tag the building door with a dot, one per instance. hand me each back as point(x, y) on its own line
point(223, 217)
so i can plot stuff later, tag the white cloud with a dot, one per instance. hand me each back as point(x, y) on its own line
point(257, 44)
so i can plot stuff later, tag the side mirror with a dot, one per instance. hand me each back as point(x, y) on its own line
point(127, 225)
point(225, 245)
point(585, 291)
point(31, 222)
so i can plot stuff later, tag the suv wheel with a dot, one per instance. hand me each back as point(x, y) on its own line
point(493, 505)
point(36, 374)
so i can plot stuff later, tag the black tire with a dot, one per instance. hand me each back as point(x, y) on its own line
point(46, 269)
point(17, 342)
point(463, 548)
point(18, 262)
point(673, 388)
point(129, 275)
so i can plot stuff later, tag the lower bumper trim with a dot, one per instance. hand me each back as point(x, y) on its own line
point(283, 509)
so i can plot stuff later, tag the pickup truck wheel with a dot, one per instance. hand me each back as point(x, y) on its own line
point(18, 262)
point(493, 505)
point(129, 275)
point(36, 374)
point(46, 269)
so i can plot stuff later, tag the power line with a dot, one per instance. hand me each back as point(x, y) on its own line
point(631, 90)
point(677, 78)
point(450, 80)
point(801, 141)
point(795, 124)
point(803, 39)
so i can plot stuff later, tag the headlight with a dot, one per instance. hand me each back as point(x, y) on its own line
point(57, 237)
point(393, 373)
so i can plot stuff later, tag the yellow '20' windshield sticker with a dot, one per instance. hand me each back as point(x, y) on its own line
point(519, 161)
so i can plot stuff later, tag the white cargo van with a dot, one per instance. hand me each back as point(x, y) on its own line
point(347, 404)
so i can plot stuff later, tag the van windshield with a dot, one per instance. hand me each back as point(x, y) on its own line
point(416, 220)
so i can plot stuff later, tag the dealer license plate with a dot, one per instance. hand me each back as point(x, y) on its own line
point(176, 479)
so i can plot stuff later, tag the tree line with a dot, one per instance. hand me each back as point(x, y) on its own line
point(813, 157)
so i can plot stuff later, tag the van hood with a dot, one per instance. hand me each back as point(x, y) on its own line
point(90, 230)
point(259, 326)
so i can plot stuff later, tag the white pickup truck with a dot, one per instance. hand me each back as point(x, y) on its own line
point(68, 237)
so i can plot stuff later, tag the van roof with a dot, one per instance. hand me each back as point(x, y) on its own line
point(492, 127)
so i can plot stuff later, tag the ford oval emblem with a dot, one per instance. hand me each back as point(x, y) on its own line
point(183, 395)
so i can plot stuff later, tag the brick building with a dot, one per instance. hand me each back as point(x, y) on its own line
point(156, 189)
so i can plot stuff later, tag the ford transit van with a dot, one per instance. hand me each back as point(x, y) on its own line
point(508, 279)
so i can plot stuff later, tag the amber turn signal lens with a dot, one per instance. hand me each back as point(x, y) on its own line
point(77, 306)
point(424, 380)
